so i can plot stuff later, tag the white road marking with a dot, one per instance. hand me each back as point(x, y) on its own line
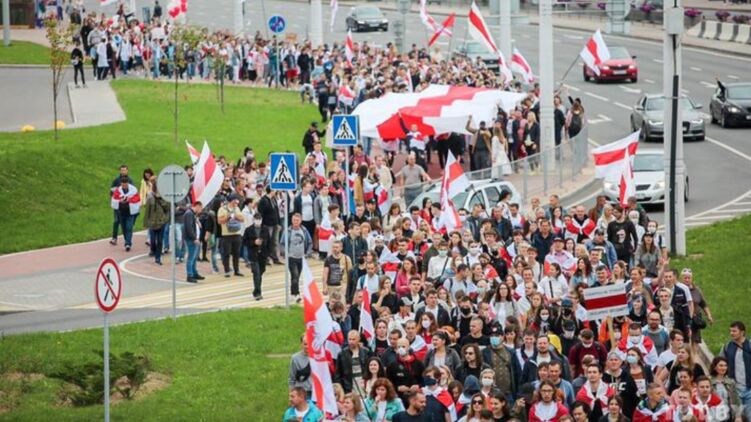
point(729, 148)
point(573, 37)
point(685, 91)
point(573, 88)
point(715, 215)
point(621, 105)
point(709, 85)
point(696, 69)
point(705, 116)
point(657, 60)
point(602, 118)
point(124, 268)
point(733, 77)
point(630, 90)
point(599, 97)
point(742, 203)
point(649, 81)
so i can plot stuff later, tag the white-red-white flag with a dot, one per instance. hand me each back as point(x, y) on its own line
point(609, 158)
point(334, 8)
point(443, 29)
point(318, 327)
point(595, 52)
point(194, 154)
point(346, 96)
point(366, 318)
point(106, 2)
point(480, 32)
point(207, 177)
point(626, 187)
point(349, 48)
point(454, 182)
point(520, 65)
point(425, 17)
point(389, 263)
point(325, 233)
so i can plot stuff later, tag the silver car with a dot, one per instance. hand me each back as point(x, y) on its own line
point(649, 178)
point(473, 49)
point(486, 192)
point(649, 112)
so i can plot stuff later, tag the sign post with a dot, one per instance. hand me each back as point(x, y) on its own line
point(108, 287)
point(173, 184)
point(277, 25)
point(284, 178)
point(346, 134)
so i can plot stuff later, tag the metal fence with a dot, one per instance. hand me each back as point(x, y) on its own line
point(534, 175)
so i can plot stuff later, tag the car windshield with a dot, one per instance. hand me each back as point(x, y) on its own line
point(741, 92)
point(658, 103)
point(619, 53)
point(648, 162)
point(476, 48)
point(369, 12)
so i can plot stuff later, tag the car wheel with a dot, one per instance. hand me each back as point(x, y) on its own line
point(685, 191)
point(635, 80)
point(586, 77)
point(643, 134)
point(712, 119)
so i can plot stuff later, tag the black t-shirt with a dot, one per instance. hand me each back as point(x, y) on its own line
point(336, 270)
point(435, 410)
point(380, 346)
point(406, 417)
point(481, 341)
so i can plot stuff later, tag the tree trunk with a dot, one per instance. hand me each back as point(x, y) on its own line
point(221, 87)
point(176, 109)
point(55, 86)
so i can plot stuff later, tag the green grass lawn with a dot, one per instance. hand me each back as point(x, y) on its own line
point(717, 256)
point(54, 193)
point(224, 366)
point(24, 52)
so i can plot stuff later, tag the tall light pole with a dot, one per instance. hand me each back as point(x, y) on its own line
point(547, 126)
point(239, 19)
point(400, 25)
point(504, 21)
point(675, 172)
point(316, 23)
point(6, 22)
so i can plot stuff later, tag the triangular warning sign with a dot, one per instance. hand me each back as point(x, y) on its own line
point(344, 131)
point(283, 173)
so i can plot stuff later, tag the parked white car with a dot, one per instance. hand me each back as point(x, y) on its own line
point(649, 177)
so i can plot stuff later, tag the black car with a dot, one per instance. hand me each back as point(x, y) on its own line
point(731, 104)
point(366, 18)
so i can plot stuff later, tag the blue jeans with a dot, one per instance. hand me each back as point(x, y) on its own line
point(367, 143)
point(126, 222)
point(115, 224)
point(124, 66)
point(179, 244)
point(745, 396)
point(190, 265)
point(166, 237)
point(214, 253)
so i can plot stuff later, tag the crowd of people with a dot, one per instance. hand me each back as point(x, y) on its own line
point(484, 323)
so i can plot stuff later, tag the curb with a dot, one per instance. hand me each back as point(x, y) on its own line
point(24, 66)
point(73, 118)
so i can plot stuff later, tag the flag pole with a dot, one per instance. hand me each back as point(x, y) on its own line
point(569, 69)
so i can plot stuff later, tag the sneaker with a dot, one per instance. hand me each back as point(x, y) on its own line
point(127, 248)
point(113, 241)
point(227, 275)
point(298, 299)
point(199, 277)
point(191, 280)
point(259, 297)
point(158, 262)
point(239, 274)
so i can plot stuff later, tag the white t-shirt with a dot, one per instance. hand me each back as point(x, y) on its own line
point(307, 207)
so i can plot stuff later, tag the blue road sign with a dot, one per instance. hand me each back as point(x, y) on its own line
point(346, 130)
point(283, 171)
point(277, 24)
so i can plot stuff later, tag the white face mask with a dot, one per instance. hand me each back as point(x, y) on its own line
point(474, 251)
point(426, 324)
point(402, 351)
point(487, 382)
point(544, 317)
point(634, 339)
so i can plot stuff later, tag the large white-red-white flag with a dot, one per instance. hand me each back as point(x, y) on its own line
point(194, 154)
point(207, 177)
point(176, 8)
point(106, 2)
point(349, 48)
point(425, 17)
point(454, 182)
point(595, 52)
point(318, 327)
point(614, 163)
point(444, 29)
point(480, 32)
point(520, 65)
point(334, 8)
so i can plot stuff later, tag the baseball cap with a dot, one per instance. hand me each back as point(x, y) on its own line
point(405, 301)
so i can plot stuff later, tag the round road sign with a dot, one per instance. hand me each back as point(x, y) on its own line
point(277, 24)
point(108, 285)
point(173, 183)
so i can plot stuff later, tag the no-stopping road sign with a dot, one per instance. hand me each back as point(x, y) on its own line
point(109, 285)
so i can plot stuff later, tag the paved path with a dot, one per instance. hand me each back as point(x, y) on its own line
point(32, 88)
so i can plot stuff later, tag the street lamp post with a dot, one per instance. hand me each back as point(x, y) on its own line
point(675, 211)
point(504, 21)
point(547, 127)
point(316, 23)
point(6, 22)
point(400, 26)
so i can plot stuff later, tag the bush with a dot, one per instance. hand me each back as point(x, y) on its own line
point(693, 13)
point(741, 19)
point(87, 378)
point(647, 8)
point(722, 15)
point(601, 5)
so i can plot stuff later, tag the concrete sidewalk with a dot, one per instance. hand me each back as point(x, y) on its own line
point(94, 105)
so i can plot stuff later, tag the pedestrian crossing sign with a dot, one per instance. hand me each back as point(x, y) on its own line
point(283, 171)
point(346, 130)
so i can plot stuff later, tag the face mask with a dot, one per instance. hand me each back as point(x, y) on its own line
point(495, 341)
point(652, 229)
point(443, 253)
point(462, 218)
point(544, 317)
point(487, 382)
point(634, 339)
point(444, 382)
point(631, 359)
point(568, 334)
point(426, 324)
point(587, 345)
point(257, 223)
point(402, 351)
point(429, 382)
point(617, 336)
point(474, 251)
point(466, 311)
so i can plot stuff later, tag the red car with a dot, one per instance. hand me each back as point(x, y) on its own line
point(620, 67)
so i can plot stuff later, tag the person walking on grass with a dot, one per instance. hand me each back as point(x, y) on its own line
point(191, 230)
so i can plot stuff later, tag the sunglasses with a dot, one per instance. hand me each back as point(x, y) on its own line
point(477, 402)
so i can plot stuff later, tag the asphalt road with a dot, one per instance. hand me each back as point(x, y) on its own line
point(35, 107)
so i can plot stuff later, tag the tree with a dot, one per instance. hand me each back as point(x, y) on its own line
point(219, 65)
point(60, 37)
point(186, 39)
